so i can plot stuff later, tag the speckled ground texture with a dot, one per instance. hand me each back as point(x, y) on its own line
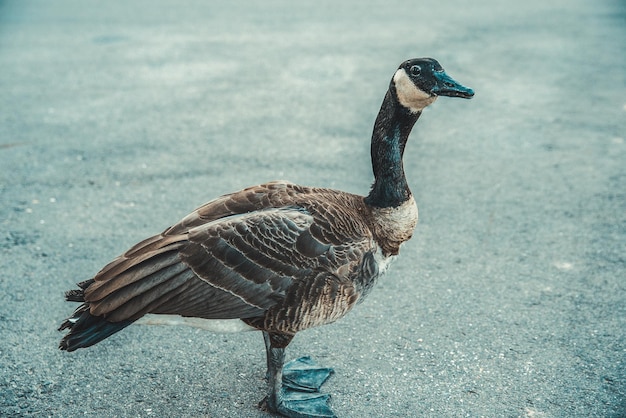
point(119, 118)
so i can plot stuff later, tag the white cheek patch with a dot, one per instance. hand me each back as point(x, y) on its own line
point(408, 94)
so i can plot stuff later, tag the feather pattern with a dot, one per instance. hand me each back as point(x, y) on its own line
point(280, 256)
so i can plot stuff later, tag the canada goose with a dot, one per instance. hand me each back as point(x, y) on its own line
point(277, 257)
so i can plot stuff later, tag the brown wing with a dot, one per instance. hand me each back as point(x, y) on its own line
point(233, 267)
point(235, 257)
point(274, 194)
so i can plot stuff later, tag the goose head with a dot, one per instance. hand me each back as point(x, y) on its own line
point(418, 82)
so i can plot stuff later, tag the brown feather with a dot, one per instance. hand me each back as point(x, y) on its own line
point(282, 256)
point(121, 295)
point(148, 301)
point(130, 270)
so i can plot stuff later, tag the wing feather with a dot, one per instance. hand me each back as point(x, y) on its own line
point(129, 271)
point(149, 284)
point(142, 303)
point(247, 255)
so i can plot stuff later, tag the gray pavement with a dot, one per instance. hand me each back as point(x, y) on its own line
point(119, 118)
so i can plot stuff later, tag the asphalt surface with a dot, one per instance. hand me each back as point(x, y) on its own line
point(119, 118)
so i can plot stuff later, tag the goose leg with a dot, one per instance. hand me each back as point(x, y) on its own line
point(294, 388)
point(268, 344)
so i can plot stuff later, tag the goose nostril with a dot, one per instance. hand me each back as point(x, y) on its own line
point(449, 84)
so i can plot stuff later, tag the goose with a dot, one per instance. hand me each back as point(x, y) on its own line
point(277, 258)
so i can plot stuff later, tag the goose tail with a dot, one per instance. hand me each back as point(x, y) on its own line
point(86, 329)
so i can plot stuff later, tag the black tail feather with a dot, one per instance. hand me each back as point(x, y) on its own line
point(86, 329)
point(86, 283)
point(75, 295)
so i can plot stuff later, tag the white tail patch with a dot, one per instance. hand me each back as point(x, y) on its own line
point(214, 325)
point(409, 95)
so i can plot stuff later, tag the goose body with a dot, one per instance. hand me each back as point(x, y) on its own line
point(277, 257)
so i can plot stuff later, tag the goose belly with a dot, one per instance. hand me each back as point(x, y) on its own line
point(382, 261)
point(374, 265)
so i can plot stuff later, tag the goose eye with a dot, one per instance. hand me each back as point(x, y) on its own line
point(415, 70)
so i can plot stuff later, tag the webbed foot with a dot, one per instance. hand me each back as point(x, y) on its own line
point(300, 395)
point(295, 404)
point(304, 375)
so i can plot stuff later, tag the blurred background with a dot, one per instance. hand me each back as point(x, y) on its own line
point(119, 118)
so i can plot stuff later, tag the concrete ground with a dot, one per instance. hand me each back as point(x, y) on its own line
point(119, 118)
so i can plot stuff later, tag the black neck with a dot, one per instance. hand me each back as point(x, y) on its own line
point(391, 132)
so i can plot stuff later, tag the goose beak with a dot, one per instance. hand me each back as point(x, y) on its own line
point(446, 86)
